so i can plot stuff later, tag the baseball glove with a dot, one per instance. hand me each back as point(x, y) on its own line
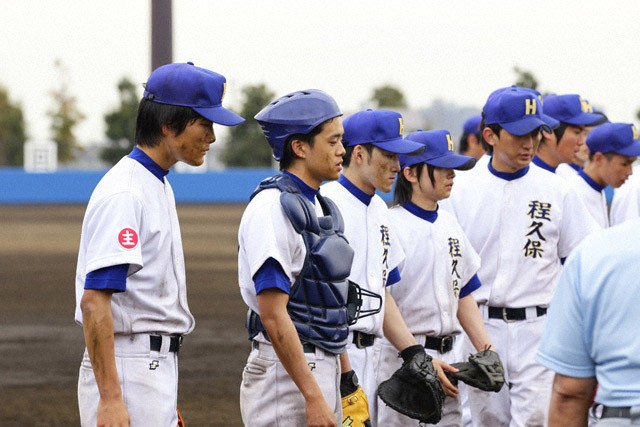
point(355, 405)
point(414, 389)
point(483, 370)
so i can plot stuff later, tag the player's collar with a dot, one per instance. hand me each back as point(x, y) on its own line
point(508, 176)
point(591, 182)
point(429, 216)
point(146, 161)
point(307, 191)
point(544, 165)
point(358, 193)
point(576, 167)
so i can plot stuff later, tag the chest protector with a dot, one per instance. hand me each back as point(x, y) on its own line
point(318, 298)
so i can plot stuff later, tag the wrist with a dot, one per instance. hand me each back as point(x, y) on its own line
point(408, 353)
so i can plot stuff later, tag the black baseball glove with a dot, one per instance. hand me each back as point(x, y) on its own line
point(414, 389)
point(483, 370)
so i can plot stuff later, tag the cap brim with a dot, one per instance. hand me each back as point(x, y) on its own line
point(453, 161)
point(632, 150)
point(400, 146)
point(524, 126)
point(585, 119)
point(219, 115)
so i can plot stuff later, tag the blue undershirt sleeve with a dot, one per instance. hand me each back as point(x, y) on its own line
point(472, 285)
point(112, 278)
point(394, 277)
point(271, 276)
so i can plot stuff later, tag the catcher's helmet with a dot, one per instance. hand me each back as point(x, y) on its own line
point(295, 113)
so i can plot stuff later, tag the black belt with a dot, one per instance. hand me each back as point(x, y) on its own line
point(307, 347)
point(362, 340)
point(509, 314)
point(609, 412)
point(174, 344)
point(443, 344)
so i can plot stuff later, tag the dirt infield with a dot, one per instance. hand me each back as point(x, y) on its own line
point(41, 346)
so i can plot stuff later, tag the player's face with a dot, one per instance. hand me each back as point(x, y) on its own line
point(379, 170)
point(192, 145)
point(570, 143)
point(440, 189)
point(324, 162)
point(616, 170)
point(511, 152)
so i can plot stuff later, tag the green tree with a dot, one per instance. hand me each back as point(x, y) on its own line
point(121, 123)
point(246, 146)
point(388, 96)
point(12, 131)
point(65, 116)
point(525, 78)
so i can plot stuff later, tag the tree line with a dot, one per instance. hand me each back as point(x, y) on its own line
point(245, 145)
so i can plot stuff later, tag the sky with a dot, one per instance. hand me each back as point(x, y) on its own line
point(458, 51)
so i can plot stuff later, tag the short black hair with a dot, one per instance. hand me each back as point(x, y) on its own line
point(560, 130)
point(153, 115)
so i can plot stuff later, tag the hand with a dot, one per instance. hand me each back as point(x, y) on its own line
point(440, 367)
point(113, 413)
point(319, 414)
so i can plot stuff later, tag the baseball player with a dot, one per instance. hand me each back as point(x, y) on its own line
point(471, 141)
point(561, 146)
point(438, 274)
point(626, 199)
point(591, 332)
point(522, 221)
point(293, 264)
point(613, 148)
point(131, 297)
point(373, 140)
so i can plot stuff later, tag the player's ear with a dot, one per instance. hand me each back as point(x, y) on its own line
point(358, 153)
point(166, 130)
point(410, 174)
point(489, 136)
point(299, 148)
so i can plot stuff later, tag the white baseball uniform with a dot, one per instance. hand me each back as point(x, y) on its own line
point(268, 395)
point(368, 229)
point(521, 225)
point(626, 199)
point(592, 196)
point(131, 219)
point(439, 262)
point(567, 170)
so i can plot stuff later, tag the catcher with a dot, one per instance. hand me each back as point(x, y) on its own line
point(434, 293)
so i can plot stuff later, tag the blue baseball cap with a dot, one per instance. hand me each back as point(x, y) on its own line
point(381, 128)
point(438, 151)
point(186, 85)
point(618, 138)
point(550, 121)
point(472, 125)
point(571, 109)
point(516, 109)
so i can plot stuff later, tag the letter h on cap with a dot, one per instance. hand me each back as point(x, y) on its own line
point(530, 106)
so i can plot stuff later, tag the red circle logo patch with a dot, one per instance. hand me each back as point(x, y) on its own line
point(128, 238)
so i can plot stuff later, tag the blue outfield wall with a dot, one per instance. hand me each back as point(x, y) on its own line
point(69, 187)
point(73, 187)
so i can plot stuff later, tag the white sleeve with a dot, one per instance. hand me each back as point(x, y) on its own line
point(577, 223)
point(113, 233)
